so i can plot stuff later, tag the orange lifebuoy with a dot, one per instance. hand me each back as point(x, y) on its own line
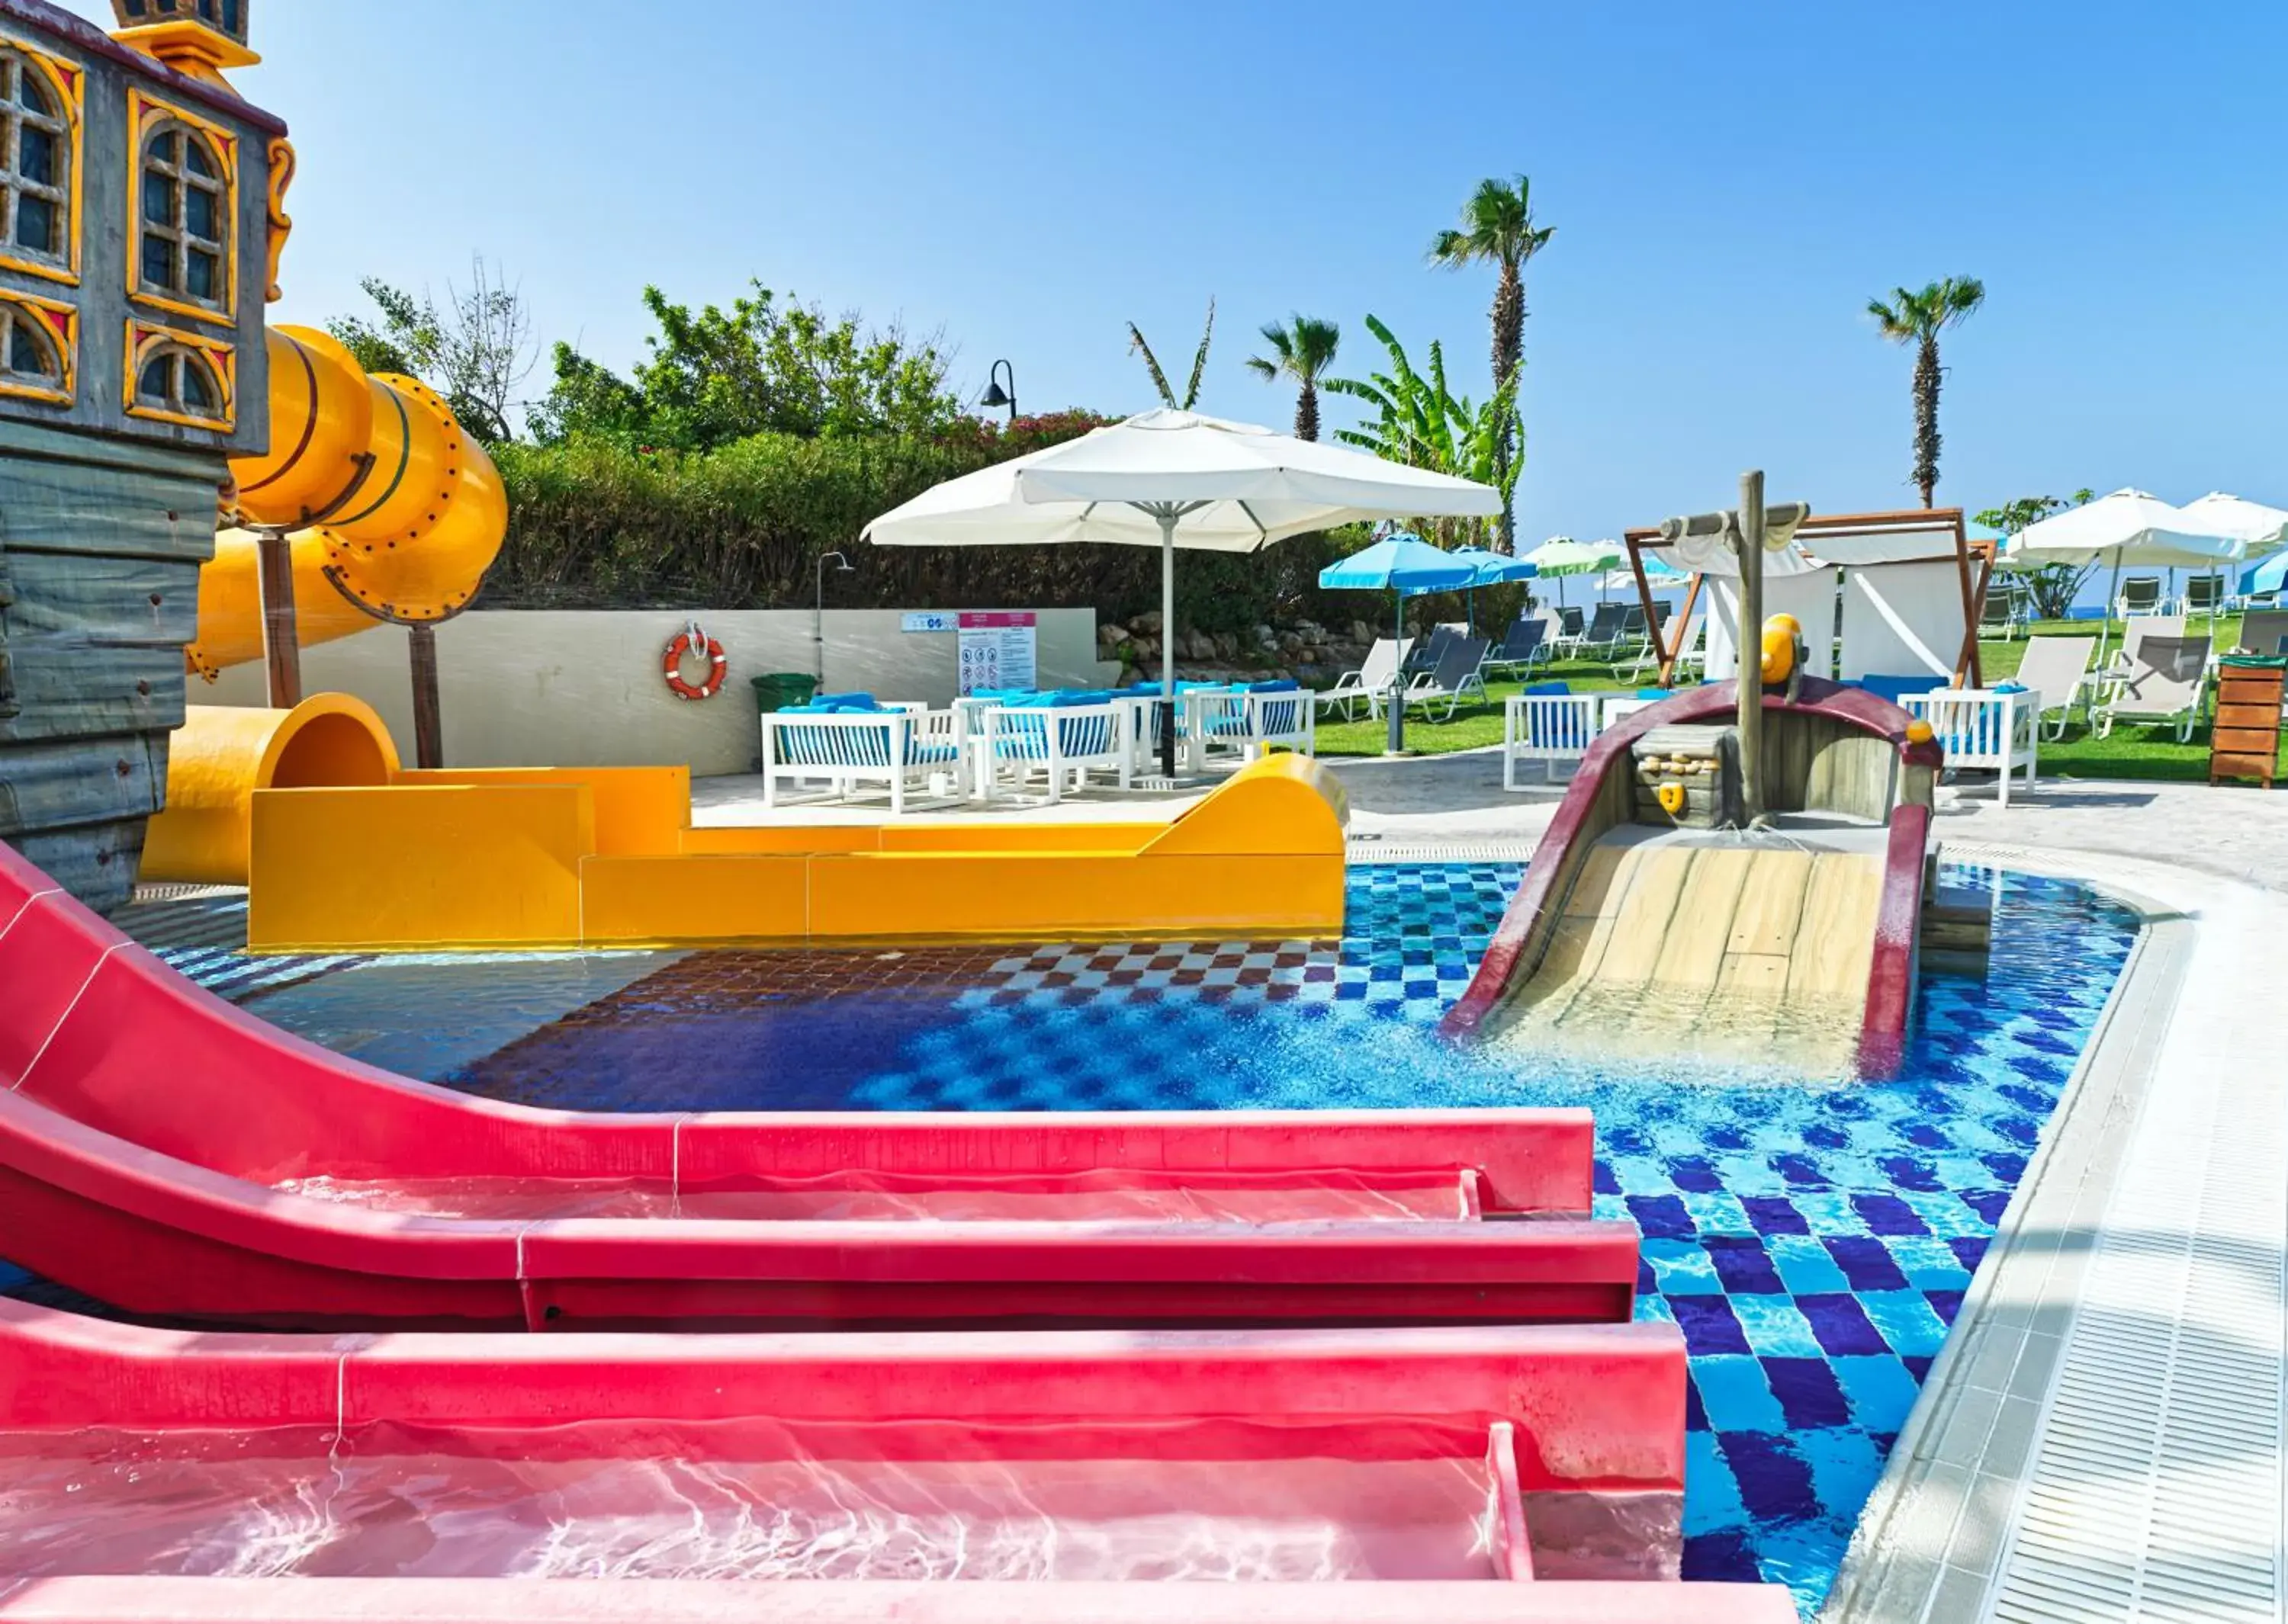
point(691, 640)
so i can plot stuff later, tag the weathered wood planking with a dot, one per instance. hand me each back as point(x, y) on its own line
point(1818, 764)
point(102, 540)
point(107, 510)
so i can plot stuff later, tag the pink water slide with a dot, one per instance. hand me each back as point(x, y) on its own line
point(172, 1155)
point(1390, 1476)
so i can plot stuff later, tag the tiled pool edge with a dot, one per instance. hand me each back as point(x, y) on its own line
point(1931, 1538)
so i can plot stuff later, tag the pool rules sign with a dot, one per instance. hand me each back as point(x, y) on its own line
point(998, 650)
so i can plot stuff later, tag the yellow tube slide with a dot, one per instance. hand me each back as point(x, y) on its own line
point(223, 755)
point(409, 538)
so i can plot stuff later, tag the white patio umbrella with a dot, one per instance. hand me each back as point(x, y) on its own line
point(1168, 479)
point(2263, 530)
point(2128, 526)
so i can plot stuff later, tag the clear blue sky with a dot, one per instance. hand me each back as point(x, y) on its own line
point(1729, 184)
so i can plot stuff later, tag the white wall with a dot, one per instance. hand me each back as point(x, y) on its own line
point(582, 688)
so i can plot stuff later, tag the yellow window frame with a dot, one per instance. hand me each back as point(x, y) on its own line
point(144, 114)
point(68, 81)
point(64, 335)
point(143, 339)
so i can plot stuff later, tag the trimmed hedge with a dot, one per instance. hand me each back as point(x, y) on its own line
point(598, 526)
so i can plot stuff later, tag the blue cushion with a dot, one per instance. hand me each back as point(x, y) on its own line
point(847, 701)
point(1550, 689)
point(1654, 693)
point(1285, 685)
point(1897, 688)
point(2009, 688)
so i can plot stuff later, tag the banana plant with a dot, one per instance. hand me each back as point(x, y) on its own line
point(1418, 420)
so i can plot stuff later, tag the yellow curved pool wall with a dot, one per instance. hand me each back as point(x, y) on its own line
point(411, 536)
point(223, 756)
point(537, 858)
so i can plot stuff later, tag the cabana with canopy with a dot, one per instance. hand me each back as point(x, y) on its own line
point(1876, 594)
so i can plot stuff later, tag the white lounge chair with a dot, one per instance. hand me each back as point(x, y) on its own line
point(2263, 631)
point(903, 748)
point(1249, 722)
point(1065, 741)
point(2055, 672)
point(1609, 630)
point(2133, 633)
point(1549, 728)
point(2005, 612)
point(1692, 653)
point(1980, 728)
point(2166, 683)
point(2140, 595)
point(1372, 679)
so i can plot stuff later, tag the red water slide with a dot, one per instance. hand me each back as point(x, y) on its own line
point(1383, 1475)
point(174, 1156)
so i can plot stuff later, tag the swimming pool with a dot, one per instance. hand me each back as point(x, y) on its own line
point(1813, 1241)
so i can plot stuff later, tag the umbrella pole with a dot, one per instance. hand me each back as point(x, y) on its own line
point(1395, 740)
point(1168, 643)
point(2105, 626)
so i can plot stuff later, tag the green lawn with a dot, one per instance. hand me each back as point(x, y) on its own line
point(2147, 753)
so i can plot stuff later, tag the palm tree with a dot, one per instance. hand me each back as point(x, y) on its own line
point(1160, 379)
point(1498, 229)
point(1918, 318)
point(1301, 350)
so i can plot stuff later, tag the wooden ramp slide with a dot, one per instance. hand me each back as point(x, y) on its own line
point(1724, 944)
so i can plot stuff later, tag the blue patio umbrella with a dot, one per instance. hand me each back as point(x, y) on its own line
point(1405, 566)
point(1494, 569)
point(2269, 576)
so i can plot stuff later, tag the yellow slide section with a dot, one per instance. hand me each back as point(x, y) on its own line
point(342, 851)
point(1736, 946)
point(392, 504)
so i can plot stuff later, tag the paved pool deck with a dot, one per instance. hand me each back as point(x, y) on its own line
point(2106, 1436)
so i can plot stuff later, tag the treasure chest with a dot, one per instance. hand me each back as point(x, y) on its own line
point(1688, 777)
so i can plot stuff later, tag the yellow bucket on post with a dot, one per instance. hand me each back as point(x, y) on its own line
point(221, 754)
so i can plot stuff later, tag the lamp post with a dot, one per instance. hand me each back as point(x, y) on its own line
point(995, 395)
point(842, 567)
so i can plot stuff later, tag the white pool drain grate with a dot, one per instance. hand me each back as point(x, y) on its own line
point(2154, 1491)
point(1439, 852)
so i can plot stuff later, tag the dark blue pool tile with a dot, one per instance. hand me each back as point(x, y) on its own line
point(1910, 1173)
point(1969, 1250)
point(1694, 1174)
point(1865, 1261)
point(1774, 1215)
point(1803, 1172)
point(1887, 1215)
point(1709, 1325)
point(1841, 1325)
point(1774, 1481)
point(2007, 1169)
point(1808, 1393)
point(1662, 1217)
point(1725, 1556)
point(1741, 1266)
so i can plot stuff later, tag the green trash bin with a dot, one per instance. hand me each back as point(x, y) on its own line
point(781, 689)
